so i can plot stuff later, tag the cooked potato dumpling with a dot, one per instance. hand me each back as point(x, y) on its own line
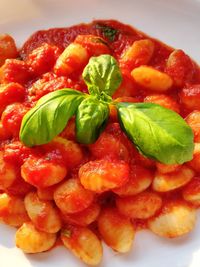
point(195, 162)
point(140, 179)
point(141, 206)
point(164, 168)
point(175, 219)
point(85, 217)
point(47, 192)
point(8, 173)
point(31, 240)
point(103, 175)
point(12, 210)
point(193, 120)
point(43, 214)
point(72, 197)
point(116, 230)
point(71, 152)
point(42, 172)
point(174, 180)
point(139, 53)
point(7, 48)
point(73, 58)
point(152, 79)
point(191, 191)
point(164, 101)
point(83, 243)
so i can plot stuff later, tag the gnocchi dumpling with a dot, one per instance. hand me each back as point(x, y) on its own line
point(195, 162)
point(47, 192)
point(12, 210)
point(152, 79)
point(83, 243)
point(43, 214)
point(73, 58)
point(72, 197)
point(139, 53)
point(8, 173)
point(117, 231)
point(85, 217)
point(31, 240)
point(191, 192)
point(140, 179)
point(164, 168)
point(103, 175)
point(42, 172)
point(176, 219)
point(141, 206)
point(170, 181)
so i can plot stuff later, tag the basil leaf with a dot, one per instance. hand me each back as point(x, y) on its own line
point(91, 119)
point(49, 117)
point(102, 74)
point(157, 132)
point(107, 31)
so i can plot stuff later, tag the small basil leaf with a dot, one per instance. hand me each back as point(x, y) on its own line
point(157, 132)
point(102, 74)
point(91, 119)
point(49, 117)
point(107, 31)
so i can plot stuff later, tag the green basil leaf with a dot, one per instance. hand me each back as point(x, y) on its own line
point(102, 74)
point(91, 119)
point(49, 117)
point(157, 132)
point(109, 32)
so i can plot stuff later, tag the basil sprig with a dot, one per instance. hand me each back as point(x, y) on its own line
point(157, 132)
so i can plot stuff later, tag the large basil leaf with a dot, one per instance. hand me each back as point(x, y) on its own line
point(157, 132)
point(102, 74)
point(49, 117)
point(91, 119)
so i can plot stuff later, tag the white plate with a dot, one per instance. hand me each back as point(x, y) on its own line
point(176, 22)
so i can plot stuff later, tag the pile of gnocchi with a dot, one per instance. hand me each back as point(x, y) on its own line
point(83, 195)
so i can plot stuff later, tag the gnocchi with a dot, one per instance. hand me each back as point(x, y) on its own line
point(43, 214)
point(8, 173)
point(83, 243)
point(72, 197)
point(103, 175)
point(73, 58)
point(139, 53)
point(140, 179)
point(191, 192)
point(152, 79)
point(117, 231)
point(175, 219)
point(170, 181)
point(42, 173)
point(12, 210)
point(31, 240)
point(141, 206)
